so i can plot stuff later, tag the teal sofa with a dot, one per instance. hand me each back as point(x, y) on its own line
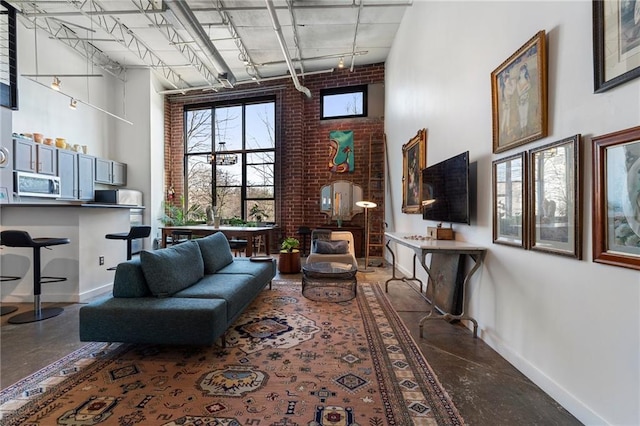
point(187, 294)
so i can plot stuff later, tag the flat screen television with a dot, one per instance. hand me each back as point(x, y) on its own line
point(446, 191)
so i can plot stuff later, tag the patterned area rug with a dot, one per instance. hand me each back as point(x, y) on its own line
point(288, 361)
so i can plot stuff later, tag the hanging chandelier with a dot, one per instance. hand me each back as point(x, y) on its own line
point(222, 157)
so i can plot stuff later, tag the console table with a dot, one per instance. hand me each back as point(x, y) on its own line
point(422, 246)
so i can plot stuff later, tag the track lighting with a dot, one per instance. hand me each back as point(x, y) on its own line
point(73, 104)
point(55, 84)
point(341, 62)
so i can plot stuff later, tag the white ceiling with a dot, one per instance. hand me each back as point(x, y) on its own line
point(236, 39)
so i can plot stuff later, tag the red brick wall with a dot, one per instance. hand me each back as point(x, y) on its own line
point(302, 144)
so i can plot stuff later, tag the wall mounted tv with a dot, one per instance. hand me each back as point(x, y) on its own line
point(446, 193)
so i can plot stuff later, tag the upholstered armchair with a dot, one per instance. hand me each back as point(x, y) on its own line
point(332, 246)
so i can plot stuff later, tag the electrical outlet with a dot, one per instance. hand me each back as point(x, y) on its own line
point(101, 260)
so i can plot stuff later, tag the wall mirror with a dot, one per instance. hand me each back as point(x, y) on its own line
point(338, 200)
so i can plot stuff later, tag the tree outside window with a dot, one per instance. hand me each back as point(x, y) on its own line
point(247, 133)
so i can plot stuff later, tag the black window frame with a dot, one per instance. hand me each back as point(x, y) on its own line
point(362, 88)
point(243, 153)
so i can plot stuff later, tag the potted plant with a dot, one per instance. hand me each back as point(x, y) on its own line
point(289, 259)
point(258, 213)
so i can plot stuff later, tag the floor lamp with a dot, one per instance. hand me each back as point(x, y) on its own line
point(366, 205)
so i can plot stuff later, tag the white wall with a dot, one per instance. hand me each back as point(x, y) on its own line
point(572, 326)
point(45, 111)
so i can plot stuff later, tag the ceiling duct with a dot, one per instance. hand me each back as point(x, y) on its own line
point(187, 18)
point(283, 46)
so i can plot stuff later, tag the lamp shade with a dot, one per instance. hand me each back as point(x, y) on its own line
point(366, 204)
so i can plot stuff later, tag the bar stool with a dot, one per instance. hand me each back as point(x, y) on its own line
point(259, 244)
point(180, 236)
point(13, 238)
point(304, 232)
point(134, 233)
point(7, 309)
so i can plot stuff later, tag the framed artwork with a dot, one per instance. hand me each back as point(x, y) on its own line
point(616, 198)
point(555, 198)
point(519, 96)
point(4, 196)
point(341, 152)
point(616, 43)
point(414, 159)
point(509, 202)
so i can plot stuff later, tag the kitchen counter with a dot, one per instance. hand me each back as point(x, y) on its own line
point(85, 224)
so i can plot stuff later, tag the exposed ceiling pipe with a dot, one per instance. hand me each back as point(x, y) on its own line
point(283, 46)
point(188, 19)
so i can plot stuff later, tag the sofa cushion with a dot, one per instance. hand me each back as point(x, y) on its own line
point(129, 280)
point(237, 289)
point(172, 269)
point(330, 247)
point(216, 252)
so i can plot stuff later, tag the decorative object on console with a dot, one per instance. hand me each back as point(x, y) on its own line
point(509, 201)
point(616, 198)
point(613, 60)
point(414, 159)
point(338, 200)
point(440, 233)
point(341, 155)
point(554, 199)
point(366, 205)
point(519, 96)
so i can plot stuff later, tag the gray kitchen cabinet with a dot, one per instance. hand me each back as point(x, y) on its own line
point(86, 176)
point(24, 155)
point(68, 173)
point(110, 172)
point(34, 157)
point(119, 176)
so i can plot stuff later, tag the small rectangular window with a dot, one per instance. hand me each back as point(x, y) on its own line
point(343, 102)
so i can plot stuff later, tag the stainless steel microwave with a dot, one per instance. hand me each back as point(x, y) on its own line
point(37, 185)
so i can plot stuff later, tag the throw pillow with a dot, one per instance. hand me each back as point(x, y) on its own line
point(216, 252)
point(331, 247)
point(172, 269)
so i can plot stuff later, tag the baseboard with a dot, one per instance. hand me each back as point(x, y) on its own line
point(95, 292)
point(59, 297)
point(572, 404)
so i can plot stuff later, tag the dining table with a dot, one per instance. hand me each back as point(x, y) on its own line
point(231, 232)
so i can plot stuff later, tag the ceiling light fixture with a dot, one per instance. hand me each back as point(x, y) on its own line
point(222, 157)
point(73, 104)
point(55, 84)
point(341, 62)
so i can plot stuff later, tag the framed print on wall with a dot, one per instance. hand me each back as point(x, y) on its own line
point(519, 96)
point(414, 159)
point(555, 198)
point(616, 43)
point(509, 202)
point(616, 198)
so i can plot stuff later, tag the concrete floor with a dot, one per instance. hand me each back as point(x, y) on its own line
point(485, 388)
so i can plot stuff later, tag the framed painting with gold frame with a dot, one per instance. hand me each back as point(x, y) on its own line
point(519, 96)
point(616, 198)
point(414, 159)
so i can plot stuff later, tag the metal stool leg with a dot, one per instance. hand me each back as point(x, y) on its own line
point(38, 313)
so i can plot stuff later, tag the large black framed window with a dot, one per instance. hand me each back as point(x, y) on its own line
point(230, 159)
point(8, 57)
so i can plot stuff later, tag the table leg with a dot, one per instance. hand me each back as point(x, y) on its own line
point(393, 271)
point(249, 250)
point(447, 316)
